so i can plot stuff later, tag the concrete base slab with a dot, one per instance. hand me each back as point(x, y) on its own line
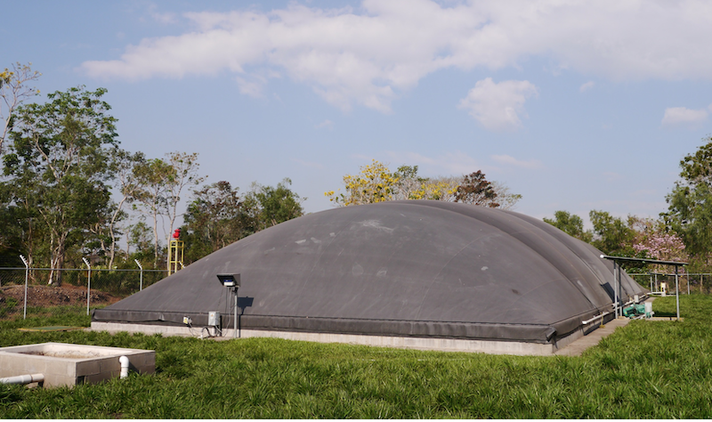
point(72, 364)
point(577, 347)
point(419, 343)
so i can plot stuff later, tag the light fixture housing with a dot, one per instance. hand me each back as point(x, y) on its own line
point(229, 280)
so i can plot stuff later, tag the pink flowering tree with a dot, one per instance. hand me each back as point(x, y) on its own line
point(658, 244)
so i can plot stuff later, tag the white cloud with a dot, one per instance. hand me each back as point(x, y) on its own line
point(497, 106)
point(252, 88)
point(585, 87)
point(325, 124)
point(682, 115)
point(369, 56)
point(509, 160)
point(161, 17)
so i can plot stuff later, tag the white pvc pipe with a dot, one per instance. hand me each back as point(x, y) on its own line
point(23, 379)
point(594, 318)
point(124, 361)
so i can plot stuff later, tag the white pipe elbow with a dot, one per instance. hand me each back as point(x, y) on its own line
point(124, 361)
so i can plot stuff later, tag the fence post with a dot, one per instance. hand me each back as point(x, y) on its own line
point(88, 283)
point(677, 293)
point(140, 283)
point(27, 275)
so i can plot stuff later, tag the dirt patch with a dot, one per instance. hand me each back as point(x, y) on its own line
point(45, 296)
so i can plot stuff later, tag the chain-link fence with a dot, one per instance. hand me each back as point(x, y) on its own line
point(688, 283)
point(118, 281)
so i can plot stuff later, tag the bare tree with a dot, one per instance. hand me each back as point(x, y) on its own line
point(13, 91)
point(129, 185)
point(185, 173)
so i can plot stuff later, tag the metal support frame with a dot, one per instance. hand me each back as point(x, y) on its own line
point(175, 257)
point(234, 334)
point(618, 287)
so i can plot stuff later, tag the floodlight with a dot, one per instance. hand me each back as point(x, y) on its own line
point(229, 280)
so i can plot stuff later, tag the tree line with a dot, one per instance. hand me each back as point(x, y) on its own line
point(377, 183)
point(61, 162)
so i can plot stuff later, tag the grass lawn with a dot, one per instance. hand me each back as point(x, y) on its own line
point(644, 370)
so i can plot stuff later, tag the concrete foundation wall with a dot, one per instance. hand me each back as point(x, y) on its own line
point(420, 343)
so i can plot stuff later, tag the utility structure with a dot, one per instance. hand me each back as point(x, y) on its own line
point(618, 295)
point(175, 251)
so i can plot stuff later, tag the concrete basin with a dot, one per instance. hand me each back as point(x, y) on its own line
point(72, 364)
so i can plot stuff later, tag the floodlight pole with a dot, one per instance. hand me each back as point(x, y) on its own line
point(27, 274)
point(88, 283)
point(140, 283)
point(234, 334)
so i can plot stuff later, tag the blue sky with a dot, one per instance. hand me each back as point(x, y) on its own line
point(574, 105)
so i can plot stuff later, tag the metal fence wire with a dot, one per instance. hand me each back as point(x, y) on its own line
point(689, 283)
point(117, 281)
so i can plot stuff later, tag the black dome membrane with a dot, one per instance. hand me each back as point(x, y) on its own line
point(402, 268)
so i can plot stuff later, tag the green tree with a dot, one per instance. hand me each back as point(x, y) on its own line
point(139, 236)
point(218, 216)
point(612, 235)
point(690, 204)
point(215, 218)
point(21, 232)
point(571, 224)
point(276, 204)
point(58, 165)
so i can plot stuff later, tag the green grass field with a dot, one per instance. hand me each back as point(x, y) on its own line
point(644, 370)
